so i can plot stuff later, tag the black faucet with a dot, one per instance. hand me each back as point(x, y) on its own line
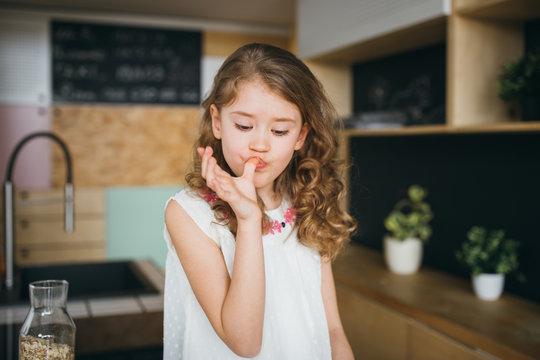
point(9, 207)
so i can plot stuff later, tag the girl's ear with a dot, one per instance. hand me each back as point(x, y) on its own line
point(301, 137)
point(216, 121)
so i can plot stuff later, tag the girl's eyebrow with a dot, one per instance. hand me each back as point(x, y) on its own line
point(241, 113)
point(281, 119)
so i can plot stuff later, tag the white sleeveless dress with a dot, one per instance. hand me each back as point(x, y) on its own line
point(295, 324)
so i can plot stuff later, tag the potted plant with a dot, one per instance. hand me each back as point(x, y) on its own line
point(519, 85)
point(409, 226)
point(489, 255)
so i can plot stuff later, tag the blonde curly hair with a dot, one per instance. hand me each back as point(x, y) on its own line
point(312, 178)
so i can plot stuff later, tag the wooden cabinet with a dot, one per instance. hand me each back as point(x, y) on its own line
point(425, 343)
point(374, 331)
point(39, 227)
point(377, 332)
point(480, 36)
point(428, 315)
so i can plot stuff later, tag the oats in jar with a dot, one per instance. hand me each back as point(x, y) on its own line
point(33, 348)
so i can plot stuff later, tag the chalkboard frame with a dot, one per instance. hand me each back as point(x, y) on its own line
point(105, 63)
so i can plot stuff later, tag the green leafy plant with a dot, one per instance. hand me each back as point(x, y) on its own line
point(520, 78)
point(411, 216)
point(489, 252)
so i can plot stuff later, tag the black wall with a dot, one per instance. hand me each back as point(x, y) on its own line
point(413, 83)
point(491, 180)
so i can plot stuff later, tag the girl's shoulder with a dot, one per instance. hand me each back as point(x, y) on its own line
point(192, 201)
point(198, 208)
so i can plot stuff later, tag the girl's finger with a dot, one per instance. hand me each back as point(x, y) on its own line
point(249, 168)
point(206, 155)
point(210, 171)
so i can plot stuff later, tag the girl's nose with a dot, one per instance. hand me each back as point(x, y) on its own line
point(259, 142)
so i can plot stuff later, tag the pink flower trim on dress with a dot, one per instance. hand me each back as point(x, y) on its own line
point(290, 218)
point(273, 228)
point(209, 196)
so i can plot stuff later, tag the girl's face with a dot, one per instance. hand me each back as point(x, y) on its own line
point(259, 123)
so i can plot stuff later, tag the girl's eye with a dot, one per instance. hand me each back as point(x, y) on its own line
point(242, 127)
point(280, 132)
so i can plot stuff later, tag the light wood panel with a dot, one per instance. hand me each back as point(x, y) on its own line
point(51, 202)
point(499, 9)
point(371, 328)
point(337, 82)
point(59, 254)
point(476, 51)
point(506, 127)
point(125, 145)
point(31, 231)
point(39, 227)
point(225, 43)
point(427, 344)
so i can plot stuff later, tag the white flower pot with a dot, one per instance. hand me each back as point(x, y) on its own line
point(488, 286)
point(403, 257)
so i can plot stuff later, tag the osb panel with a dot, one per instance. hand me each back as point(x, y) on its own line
point(225, 43)
point(124, 145)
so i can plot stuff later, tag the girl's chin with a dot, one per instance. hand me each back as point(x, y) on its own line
point(261, 185)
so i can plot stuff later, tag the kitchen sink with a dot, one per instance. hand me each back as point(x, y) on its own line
point(86, 280)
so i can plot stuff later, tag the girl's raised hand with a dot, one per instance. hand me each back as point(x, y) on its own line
point(239, 192)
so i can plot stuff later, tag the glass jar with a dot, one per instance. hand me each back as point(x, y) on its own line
point(48, 332)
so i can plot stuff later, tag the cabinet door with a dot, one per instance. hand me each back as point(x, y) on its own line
point(374, 331)
point(39, 227)
point(426, 343)
point(40, 240)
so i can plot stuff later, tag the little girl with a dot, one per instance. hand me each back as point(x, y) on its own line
point(252, 236)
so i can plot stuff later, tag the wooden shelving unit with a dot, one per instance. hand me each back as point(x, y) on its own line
point(480, 36)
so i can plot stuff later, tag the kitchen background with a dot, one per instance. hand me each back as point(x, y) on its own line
point(122, 90)
point(414, 80)
point(131, 151)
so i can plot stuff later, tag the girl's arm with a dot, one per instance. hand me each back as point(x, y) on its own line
point(234, 305)
point(341, 349)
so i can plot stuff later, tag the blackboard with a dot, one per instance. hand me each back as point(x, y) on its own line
point(95, 63)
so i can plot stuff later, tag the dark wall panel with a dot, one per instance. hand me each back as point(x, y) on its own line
point(491, 180)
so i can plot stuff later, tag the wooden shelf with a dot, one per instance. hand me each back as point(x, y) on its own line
point(517, 127)
point(500, 9)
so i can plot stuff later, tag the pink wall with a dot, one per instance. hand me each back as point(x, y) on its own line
point(33, 165)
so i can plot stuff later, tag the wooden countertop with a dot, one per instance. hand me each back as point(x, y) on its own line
point(508, 328)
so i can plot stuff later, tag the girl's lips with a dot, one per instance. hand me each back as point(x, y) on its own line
point(260, 163)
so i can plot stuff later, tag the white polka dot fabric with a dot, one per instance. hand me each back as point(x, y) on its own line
point(294, 320)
